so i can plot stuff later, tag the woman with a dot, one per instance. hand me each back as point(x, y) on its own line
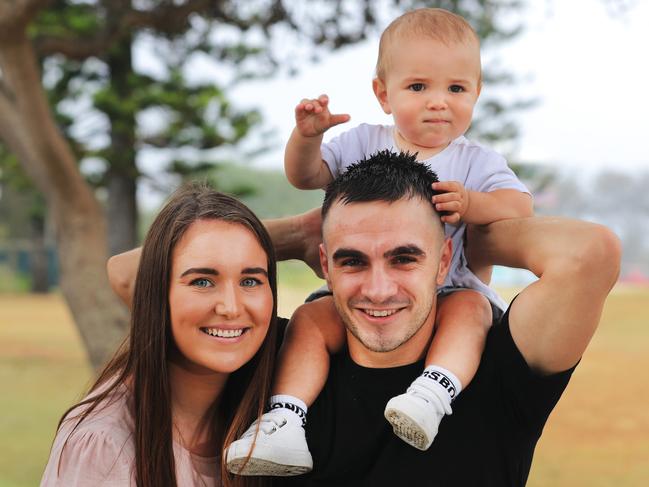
point(196, 367)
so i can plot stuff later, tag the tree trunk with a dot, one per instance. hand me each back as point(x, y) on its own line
point(123, 173)
point(28, 130)
point(121, 212)
point(38, 262)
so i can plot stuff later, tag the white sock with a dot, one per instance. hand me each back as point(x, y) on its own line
point(444, 382)
point(292, 404)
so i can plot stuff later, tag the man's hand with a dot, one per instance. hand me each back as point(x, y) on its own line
point(312, 228)
point(298, 237)
point(313, 118)
point(122, 270)
point(453, 202)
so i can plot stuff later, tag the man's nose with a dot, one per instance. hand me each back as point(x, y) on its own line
point(227, 302)
point(379, 285)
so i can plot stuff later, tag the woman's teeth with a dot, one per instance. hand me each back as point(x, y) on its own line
point(215, 332)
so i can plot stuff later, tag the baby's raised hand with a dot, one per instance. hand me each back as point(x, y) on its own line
point(312, 116)
point(453, 201)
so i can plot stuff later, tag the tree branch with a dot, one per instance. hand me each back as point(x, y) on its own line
point(14, 15)
point(167, 19)
point(74, 48)
point(5, 92)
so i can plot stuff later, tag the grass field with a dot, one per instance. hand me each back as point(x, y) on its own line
point(597, 436)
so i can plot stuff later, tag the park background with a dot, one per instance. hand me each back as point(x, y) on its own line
point(206, 90)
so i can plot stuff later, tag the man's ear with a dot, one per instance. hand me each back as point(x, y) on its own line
point(324, 263)
point(381, 93)
point(444, 261)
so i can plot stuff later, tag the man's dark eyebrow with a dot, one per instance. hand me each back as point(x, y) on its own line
point(200, 270)
point(254, 270)
point(347, 253)
point(405, 250)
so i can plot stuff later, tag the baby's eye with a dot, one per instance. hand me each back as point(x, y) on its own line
point(416, 87)
point(456, 89)
point(250, 282)
point(201, 282)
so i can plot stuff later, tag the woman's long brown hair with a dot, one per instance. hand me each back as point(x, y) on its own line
point(142, 360)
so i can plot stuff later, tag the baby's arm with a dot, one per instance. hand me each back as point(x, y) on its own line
point(475, 207)
point(303, 162)
point(314, 332)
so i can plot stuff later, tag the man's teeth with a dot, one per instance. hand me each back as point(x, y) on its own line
point(215, 332)
point(380, 313)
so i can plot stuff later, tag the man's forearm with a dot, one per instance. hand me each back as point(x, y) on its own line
point(297, 237)
point(553, 319)
point(122, 270)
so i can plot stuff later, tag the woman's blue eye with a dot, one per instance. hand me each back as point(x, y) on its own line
point(456, 89)
point(201, 282)
point(250, 282)
point(416, 87)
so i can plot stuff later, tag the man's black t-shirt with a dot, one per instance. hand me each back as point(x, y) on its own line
point(487, 441)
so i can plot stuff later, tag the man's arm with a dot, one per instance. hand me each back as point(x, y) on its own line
point(122, 270)
point(298, 237)
point(294, 237)
point(553, 319)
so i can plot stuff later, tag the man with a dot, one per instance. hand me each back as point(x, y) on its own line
point(384, 249)
point(384, 252)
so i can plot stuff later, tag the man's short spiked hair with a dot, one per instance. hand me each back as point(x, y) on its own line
point(384, 176)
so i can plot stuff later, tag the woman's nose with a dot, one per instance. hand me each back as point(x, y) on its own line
point(227, 303)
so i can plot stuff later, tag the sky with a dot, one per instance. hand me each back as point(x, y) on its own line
point(584, 60)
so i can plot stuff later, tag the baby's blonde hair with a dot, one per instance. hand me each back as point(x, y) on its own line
point(434, 23)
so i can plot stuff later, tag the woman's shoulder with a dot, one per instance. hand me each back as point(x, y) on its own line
point(97, 448)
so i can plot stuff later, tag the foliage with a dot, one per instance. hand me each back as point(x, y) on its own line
point(125, 78)
point(129, 78)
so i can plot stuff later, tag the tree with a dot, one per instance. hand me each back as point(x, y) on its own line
point(86, 50)
point(22, 210)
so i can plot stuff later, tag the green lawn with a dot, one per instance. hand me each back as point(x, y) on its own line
point(598, 435)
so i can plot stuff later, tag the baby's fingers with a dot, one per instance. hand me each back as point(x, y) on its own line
point(452, 218)
point(449, 207)
point(447, 186)
point(338, 119)
point(446, 197)
point(308, 106)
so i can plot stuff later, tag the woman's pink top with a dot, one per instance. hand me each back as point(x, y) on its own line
point(101, 452)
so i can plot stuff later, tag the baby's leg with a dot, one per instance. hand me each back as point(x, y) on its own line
point(314, 332)
point(462, 321)
point(276, 443)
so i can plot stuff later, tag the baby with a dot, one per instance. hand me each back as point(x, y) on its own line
point(428, 77)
